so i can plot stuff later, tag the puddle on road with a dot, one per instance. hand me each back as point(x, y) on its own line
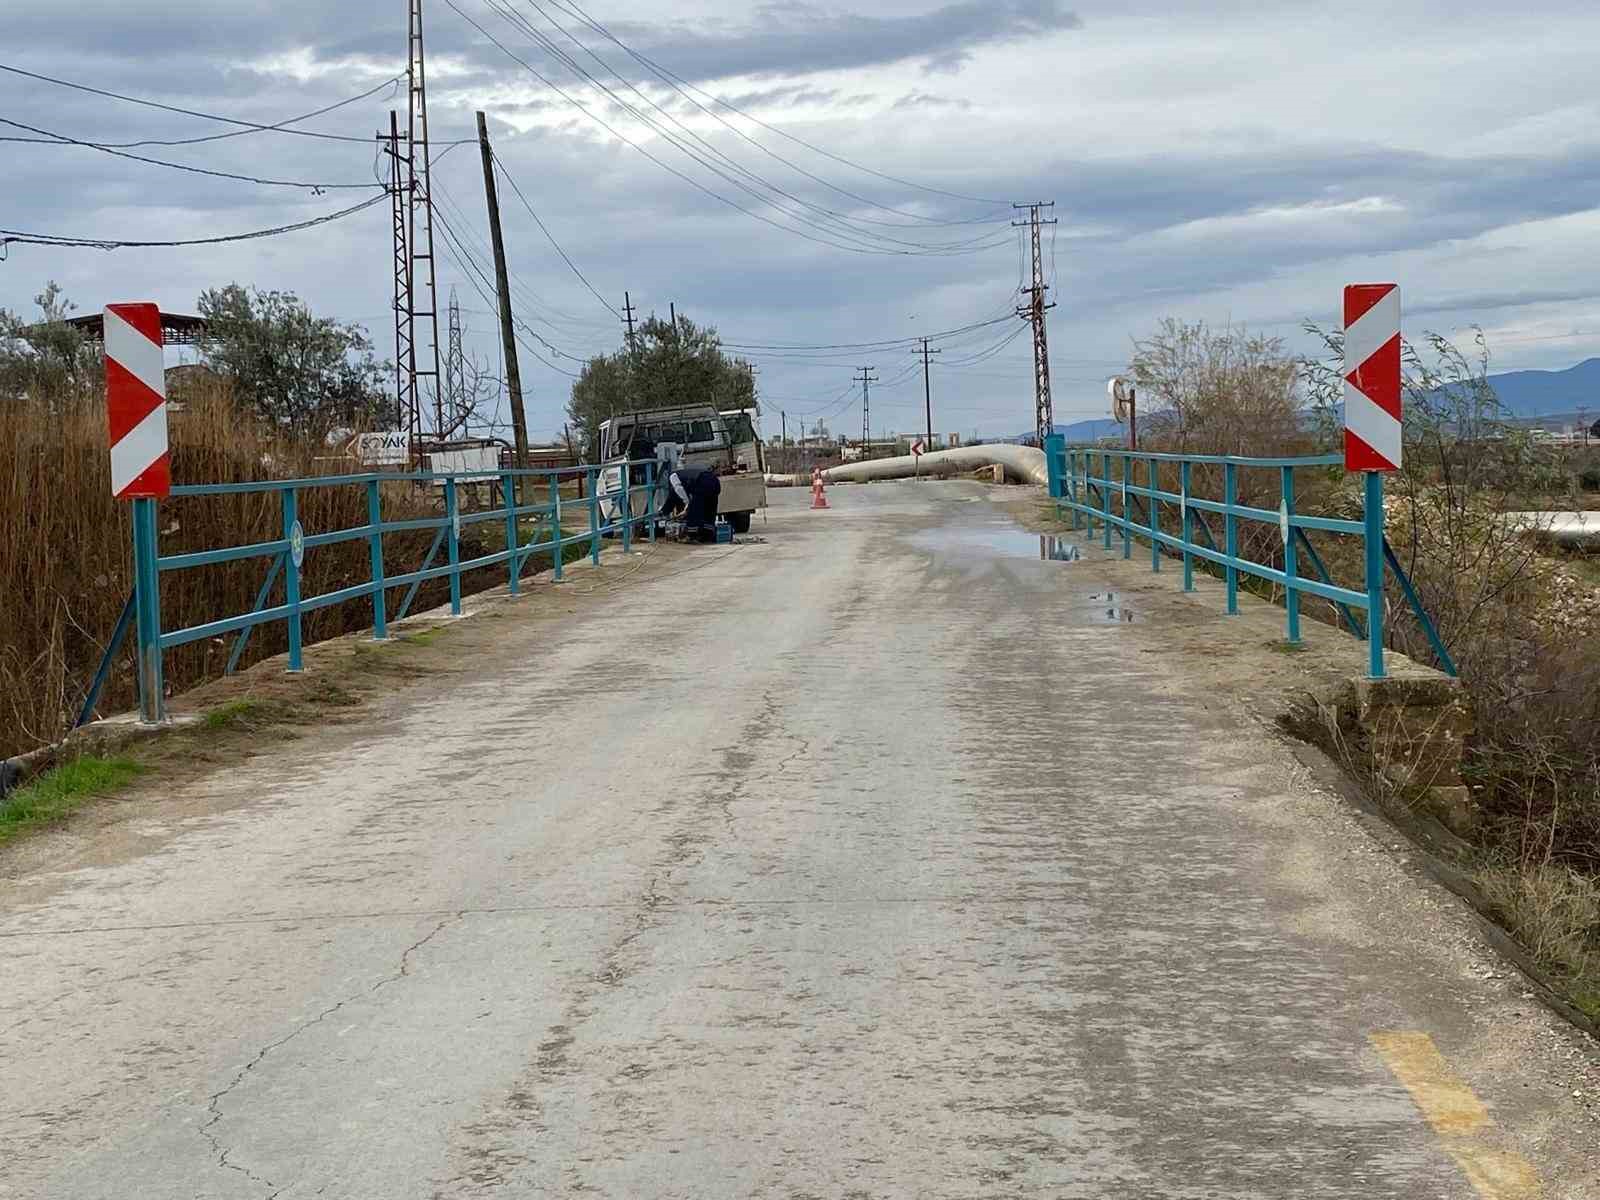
point(1110, 608)
point(1001, 541)
point(990, 541)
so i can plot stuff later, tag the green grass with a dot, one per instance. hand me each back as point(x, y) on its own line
point(55, 795)
point(427, 637)
point(234, 713)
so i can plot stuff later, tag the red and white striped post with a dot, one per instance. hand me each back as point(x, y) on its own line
point(141, 471)
point(1373, 425)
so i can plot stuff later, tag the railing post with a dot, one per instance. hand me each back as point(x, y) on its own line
point(650, 500)
point(1072, 478)
point(1053, 446)
point(508, 490)
point(557, 549)
point(1374, 548)
point(1291, 559)
point(1127, 520)
point(295, 536)
point(147, 612)
point(1230, 493)
point(626, 510)
point(1155, 515)
point(380, 606)
point(1105, 495)
point(1188, 528)
point(452, 533)
point(593, 478)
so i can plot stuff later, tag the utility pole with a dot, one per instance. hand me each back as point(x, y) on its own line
point(627, 307)
point(508, 337)
point(927, 390)
point(1033, 312)
point(866, 380)
point(672, 307)
point(419, 219)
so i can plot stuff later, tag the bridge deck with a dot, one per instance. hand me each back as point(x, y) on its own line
point(880, 860)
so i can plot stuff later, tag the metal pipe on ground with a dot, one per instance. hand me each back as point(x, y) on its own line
point(1022, 464)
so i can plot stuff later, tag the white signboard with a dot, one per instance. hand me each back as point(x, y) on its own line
point(475, 461)
point(383, 449)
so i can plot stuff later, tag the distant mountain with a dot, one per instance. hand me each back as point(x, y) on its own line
point(1091, 431)
point(1080, 431)
point(1548, 393)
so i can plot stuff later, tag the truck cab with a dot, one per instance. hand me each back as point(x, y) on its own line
point(694, 436)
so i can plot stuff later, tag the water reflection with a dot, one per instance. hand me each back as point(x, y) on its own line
point(1054, 549)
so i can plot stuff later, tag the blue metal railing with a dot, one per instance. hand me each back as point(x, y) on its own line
point(287, 555)
point(1082, 480)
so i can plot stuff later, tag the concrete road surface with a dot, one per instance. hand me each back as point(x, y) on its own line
point(880, 860)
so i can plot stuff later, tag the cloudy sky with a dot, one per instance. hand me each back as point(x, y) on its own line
point(1208, 159)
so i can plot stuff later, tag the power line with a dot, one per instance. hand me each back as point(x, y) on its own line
point(885, 344)
point(669, 79)
point(61, 139)
point(692, 182)
point(251, 126)
point(872, 240)
point(22, 238)
point(781, 133)
point(473, 244)
point(478, 277)
point(277, 126)
point(506, 175)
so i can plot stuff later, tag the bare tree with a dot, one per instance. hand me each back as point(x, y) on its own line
point(1221, 392)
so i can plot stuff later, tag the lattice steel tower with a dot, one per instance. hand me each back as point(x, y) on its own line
point(455, 370)
point(424, 307)
point(1033, 311)
point(405, 350)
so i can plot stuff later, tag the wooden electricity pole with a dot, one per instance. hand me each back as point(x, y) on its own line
point(508, 337)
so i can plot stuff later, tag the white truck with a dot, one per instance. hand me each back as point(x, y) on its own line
point(694, 436)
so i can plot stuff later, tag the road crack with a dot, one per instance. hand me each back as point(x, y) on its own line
point(214, 1104)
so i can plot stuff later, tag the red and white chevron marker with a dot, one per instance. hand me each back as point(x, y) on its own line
point(1372, 413)
point(136, 402)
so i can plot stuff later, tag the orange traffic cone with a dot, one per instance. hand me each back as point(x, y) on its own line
point(819, 497)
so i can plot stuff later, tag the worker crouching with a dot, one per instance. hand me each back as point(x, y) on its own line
point(694, 491)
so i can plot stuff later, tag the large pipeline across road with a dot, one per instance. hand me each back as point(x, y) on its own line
point(1023, 464)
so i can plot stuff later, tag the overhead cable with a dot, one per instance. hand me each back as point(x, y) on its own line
point(61, 139)
point(22, 238)
point(684, 88)
point(783, 134)
point(582, 278)
point(277, 126)
point(692, 182)
point(917, 218)
point(826, 221)
point(245, 126)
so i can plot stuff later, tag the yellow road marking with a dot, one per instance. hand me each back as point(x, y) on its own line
point(1457, 1115)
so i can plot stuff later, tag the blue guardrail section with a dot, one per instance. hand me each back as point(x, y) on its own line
point(522, 493)
point(1103, 486)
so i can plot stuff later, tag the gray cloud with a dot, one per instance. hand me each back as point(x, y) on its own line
point(793, 38)
point(1148, 233)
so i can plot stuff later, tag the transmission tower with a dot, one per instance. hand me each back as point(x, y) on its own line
point(455, 369)
point(1033, 311)
point(866, 379)
point(405, 350)
point(424, 308)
